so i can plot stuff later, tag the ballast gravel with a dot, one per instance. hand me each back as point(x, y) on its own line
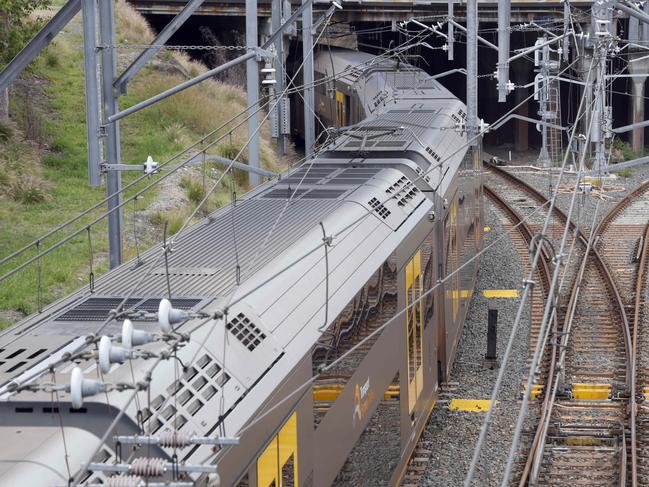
point(451, 435)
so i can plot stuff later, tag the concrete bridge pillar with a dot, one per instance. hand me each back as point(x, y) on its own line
point(639, 70)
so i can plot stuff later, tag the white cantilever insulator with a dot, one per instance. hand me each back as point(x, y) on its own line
point(132, 337)
point(167, 315)
point(80, 388)
point(124, 481)
point(110, 354)
point(174, 439)
point(214, 480)
point(148, 467)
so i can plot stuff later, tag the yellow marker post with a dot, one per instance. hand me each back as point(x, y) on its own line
point(470, 405)
point(500, 293)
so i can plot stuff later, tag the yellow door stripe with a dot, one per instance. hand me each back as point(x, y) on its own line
point(470, 405)
point(500, 293)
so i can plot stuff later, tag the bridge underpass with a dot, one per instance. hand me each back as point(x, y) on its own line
point(356, 25)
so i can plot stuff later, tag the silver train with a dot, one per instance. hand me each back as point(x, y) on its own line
point(299, 277)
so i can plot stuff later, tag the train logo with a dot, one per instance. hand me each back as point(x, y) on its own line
point(362, 399)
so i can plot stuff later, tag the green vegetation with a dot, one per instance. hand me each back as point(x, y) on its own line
point(43, 167)
point(16, 25)
point(622, 151)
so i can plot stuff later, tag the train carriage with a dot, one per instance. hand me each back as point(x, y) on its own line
point(326, 272)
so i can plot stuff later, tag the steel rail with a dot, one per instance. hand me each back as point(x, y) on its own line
point(639, 288)
point(527, 234)
point(582, 238)
point(613, 289)
point(606, 221)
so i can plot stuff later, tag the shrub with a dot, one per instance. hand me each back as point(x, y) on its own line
point(52, 59)
point(173, 218)
point(193, 188)
point(29, 189)
point(625, 172)
point(6, 132)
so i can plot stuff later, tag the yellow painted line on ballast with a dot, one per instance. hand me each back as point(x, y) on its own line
point(500, 293)
point(470, 405)
point(591, 392)
point(487, 229)
point(537, 390)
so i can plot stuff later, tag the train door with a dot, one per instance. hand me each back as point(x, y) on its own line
point(414, 330)
point(342, 109)
point(277, 465)
point(452, 262)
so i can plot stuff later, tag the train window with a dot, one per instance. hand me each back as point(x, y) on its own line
point(277, 465)
point(414, 330)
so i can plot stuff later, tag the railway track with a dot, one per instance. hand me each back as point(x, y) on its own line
point(580, 437)
point(623, 240)
point(585, 432)
point(582, 434)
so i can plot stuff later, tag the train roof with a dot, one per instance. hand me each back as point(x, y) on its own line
point(262, 258)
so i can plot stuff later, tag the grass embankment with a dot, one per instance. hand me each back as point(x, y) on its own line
point(43, 168)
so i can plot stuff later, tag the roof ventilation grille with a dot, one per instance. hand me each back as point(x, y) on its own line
point(434, 154)
point(245, 331)
point(380, 209)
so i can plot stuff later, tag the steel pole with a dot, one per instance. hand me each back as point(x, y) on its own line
point(111, 145)
point(92, 90)
point(472, 70)
point(449, 32)
point(276, 23)
point(504, 19)
point(252, 89)
point(566, 25)
point(307, 70)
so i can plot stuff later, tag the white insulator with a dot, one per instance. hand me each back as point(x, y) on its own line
point(268, 82)
point(268, 70)
point(214, 480)
point(168, 315)
point(124, 481)
point(174, 439)
point(109, 354)
point(80, 388)
point(148, 467)
point(132, 337)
